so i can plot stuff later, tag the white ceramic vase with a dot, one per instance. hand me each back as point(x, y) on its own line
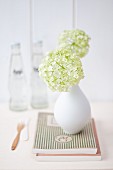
point(72, 110)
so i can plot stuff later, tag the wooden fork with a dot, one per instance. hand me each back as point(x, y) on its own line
point(20, 126)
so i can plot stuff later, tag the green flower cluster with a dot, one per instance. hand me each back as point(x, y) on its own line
point(62, 68)
point(75, 40)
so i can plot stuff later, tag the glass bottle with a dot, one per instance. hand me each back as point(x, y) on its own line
point(39, 98)
point(17, 82)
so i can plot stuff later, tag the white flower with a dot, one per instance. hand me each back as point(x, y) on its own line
point(61, 69)
point(75, 40)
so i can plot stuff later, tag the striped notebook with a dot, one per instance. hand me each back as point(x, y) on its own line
point(51, 140)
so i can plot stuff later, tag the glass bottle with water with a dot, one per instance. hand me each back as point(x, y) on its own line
point(39, 98)
point(17, 82)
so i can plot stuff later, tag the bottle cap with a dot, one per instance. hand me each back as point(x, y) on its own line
point(15, 47)
point(37, 47)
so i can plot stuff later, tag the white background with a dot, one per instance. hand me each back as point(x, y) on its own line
point(21, 20)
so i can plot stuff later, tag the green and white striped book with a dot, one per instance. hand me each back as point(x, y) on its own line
point(51, 140)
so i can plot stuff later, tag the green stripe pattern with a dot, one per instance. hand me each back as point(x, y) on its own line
point(45, 136)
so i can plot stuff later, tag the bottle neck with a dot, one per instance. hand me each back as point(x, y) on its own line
point(16, 63)
point(37, 54)
point(37, 58)
point(16, 60)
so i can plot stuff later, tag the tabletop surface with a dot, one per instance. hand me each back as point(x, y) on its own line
point(23, 159)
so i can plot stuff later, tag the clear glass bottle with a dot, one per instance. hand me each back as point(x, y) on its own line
point(17, 82)
point(39, 98)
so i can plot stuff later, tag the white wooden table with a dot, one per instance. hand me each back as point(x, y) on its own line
point(22, 158)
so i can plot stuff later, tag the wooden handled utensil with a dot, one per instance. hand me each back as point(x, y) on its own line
point(20, 126)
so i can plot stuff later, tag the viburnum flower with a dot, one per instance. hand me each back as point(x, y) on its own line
point(61, 69)
point(75, 40)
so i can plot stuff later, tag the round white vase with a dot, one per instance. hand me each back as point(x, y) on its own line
point(72, 110)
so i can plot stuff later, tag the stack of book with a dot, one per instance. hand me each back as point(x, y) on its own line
point(53, 144)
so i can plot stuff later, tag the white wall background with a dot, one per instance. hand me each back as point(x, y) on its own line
point(96, 17)
point(49, 18)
